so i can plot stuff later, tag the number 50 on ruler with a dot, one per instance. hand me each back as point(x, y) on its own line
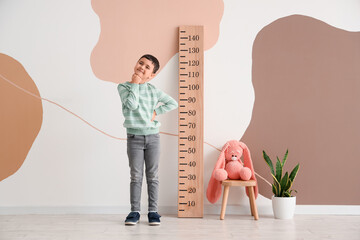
point(190, 175)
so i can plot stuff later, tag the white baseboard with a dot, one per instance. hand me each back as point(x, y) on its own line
point(328, 209)
point(208, 209)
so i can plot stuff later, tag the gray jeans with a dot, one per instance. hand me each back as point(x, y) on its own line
point(144, 149)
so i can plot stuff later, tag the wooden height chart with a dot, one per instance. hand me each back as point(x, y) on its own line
point(191, 138)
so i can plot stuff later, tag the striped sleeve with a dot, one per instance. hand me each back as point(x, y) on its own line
point(168, 103)
point(129, 95)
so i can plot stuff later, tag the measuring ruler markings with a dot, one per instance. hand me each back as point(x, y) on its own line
point(191, 138)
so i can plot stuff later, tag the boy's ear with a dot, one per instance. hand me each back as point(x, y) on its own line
point(152, 76)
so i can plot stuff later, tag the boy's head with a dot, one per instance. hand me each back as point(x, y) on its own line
point(146, 67)
point(154, 61)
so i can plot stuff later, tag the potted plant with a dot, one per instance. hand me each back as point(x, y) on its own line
point(283, 202)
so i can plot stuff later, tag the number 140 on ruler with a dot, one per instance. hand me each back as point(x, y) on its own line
point(191, 105)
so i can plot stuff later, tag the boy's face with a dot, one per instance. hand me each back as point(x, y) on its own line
point(144, 69)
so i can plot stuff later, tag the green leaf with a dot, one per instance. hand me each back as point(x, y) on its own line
point(284, 180)
point(292, 191)
point(283, 183)
point(274, 189)
point(277, 189)
point(277, 186)
point(278, 170)
point(269, 162)
point(288, 185)
point(275, 180)
point(294, 172)
point(285, 157)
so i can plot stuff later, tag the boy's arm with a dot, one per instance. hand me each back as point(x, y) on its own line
point(129, 97)
point(168, 103)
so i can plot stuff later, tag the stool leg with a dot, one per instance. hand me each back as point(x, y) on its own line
point(224, 202)
point(253, 203)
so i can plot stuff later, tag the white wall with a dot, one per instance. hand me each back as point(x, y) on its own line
point(70, 165)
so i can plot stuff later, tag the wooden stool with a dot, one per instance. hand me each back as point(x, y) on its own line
point(236, 183)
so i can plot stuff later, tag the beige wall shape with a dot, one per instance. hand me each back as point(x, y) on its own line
point(130, 29)
point(306, 78)
point(20, 116)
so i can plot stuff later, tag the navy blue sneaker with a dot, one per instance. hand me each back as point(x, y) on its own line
point(154, 218)
point(132, 218)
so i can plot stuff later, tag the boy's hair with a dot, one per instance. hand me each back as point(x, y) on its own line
point(153, 60)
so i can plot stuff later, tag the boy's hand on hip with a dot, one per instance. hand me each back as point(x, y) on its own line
point(136, 79)
point(153, 116)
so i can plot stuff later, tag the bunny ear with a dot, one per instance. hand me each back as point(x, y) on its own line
point(221, 159)
point(226, 146)
point(213, 192)
point(247, 157)
point(248, 163)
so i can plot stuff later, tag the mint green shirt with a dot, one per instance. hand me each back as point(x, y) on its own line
point(139, 101)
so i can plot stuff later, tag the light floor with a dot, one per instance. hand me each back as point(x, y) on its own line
point(88, 227)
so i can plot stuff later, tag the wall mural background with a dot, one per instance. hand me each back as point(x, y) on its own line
point(130, 31)
point(306, 84)
point(21, 116)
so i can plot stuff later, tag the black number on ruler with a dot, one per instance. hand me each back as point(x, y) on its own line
point(194, 38)
point(194, 50)
point(191, 203)
point(192, 125)
point(191, 99)
point(194, 62)
point(191, 150)
point(192, 112)
point(192, 190)
point(192, 164)
point(194, 74)
point(191, 138)
point(194, 86)
point(192, 177)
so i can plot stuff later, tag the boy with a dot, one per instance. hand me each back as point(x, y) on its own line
point(139, 105)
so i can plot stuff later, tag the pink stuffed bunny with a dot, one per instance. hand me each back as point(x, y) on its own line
point(229, 165)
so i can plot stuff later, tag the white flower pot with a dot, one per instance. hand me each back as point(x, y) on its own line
point(283, 207)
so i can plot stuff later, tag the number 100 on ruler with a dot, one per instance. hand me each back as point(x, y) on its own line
point(190, 174)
